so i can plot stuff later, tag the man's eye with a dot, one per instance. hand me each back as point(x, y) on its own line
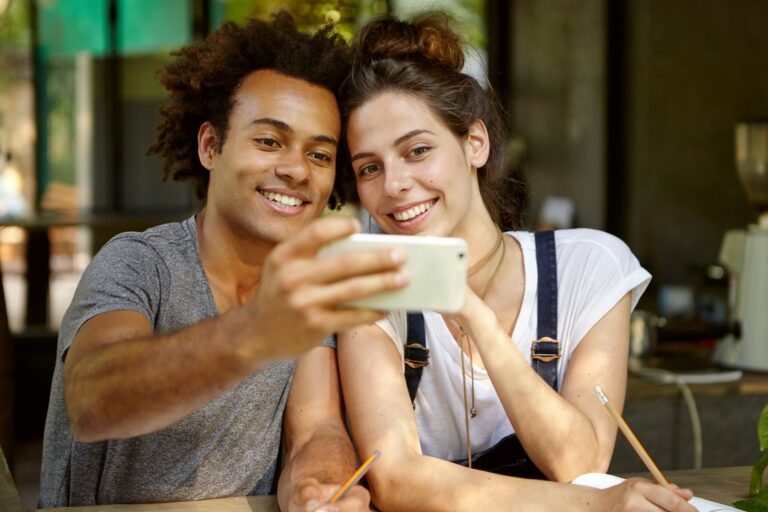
point(266, 141)
point(318, 155)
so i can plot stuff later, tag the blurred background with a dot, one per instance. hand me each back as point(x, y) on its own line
point(621, 115)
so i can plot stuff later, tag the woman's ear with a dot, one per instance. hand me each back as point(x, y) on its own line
point(206, 145)
point(478, 144)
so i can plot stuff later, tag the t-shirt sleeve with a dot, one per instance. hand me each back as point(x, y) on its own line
point(595, 280)
point(126, 274)
point(395, 326)
point(329, 341)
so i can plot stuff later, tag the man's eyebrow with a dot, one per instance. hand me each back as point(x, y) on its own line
point(282, 125)
point(399, 140)
point(326, 138)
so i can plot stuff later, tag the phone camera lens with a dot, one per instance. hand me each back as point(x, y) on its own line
point(461, 255)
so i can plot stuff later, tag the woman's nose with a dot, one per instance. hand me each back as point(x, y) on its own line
point(397, 179)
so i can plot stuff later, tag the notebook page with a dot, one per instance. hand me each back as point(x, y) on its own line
point(603, 480)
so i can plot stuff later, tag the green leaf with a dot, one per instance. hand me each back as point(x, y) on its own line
point(762, 429)
point(756, 482)
point(757, 503)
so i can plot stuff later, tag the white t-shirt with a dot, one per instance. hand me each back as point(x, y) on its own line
point(594, 271)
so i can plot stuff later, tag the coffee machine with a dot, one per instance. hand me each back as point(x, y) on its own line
point(744, 253)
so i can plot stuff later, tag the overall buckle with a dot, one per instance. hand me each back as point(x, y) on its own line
point(416, 355)
point(545, 350)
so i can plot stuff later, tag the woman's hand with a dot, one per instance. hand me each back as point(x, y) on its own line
point(638, 494)
point(476, 316)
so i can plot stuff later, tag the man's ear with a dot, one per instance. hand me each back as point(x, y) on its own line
point(206, 144)
point(478, 145)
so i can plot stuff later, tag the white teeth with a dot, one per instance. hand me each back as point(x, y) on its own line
point(413, 211)
point(281, 198)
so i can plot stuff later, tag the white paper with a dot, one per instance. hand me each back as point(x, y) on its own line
point(603, 481)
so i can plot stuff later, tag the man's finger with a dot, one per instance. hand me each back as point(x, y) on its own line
point(344, 265)
point(336, 294)
point(311, 238)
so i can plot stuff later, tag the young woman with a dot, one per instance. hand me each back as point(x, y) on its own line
point(425, 144)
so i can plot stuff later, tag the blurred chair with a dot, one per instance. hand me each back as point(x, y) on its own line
point(9, 496)
point(6, 376)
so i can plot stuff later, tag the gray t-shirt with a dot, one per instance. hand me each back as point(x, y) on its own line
point(227, 447)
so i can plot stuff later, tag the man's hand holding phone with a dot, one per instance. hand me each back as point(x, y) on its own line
point(435, 266)
point(300, 294)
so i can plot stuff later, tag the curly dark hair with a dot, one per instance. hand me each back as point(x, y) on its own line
point(423, 57)
point(204, 77)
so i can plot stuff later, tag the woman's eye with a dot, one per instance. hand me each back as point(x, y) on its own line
point(419, 150)
point(367, 170)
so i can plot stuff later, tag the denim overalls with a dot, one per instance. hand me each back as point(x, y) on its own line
point(507, 457)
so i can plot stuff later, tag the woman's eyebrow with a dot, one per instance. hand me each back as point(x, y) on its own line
point(398, 141)
point(409, 135)
point(360, 155)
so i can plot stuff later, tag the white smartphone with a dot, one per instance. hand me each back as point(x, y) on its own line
point(436, 266)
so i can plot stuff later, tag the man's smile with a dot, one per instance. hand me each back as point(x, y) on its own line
point(284, 199)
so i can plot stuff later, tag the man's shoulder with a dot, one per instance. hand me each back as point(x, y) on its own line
point(162, 234)
point(160, 240)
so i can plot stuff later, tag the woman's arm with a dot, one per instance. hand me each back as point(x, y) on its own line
point(565, 434)
point(381, 417)
point(403, 479)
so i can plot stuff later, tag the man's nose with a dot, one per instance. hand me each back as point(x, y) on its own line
point(294, 167)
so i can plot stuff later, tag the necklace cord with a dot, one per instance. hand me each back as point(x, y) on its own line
point(471, 411)
point(475, 267)
point(464, 387)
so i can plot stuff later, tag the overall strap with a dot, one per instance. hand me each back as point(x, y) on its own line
point(416, 353)
point(545, 351)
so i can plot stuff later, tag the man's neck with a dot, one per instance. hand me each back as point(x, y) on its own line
point(232, 261)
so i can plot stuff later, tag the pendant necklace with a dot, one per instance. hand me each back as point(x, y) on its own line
point(471, 411)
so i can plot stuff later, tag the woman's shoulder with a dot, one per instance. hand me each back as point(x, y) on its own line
point(588, 237)
point(591, 248)
point(578, 240)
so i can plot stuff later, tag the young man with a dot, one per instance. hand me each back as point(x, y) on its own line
point(177, 353)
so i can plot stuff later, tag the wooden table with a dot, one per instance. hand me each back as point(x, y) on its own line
point(38, 252)
point(236, 504)
point(723, 485)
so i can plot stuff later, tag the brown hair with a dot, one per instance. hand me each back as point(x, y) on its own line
point(204, 77)
point(424, 58)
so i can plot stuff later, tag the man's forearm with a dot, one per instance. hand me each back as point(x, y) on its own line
point(327, 457)
point(141, 385)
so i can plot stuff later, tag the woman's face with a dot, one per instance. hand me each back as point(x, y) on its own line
point(414, 176)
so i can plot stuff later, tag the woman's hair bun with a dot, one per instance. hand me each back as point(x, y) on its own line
point(430, 36)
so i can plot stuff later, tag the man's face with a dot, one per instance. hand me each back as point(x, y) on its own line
point(276, 169)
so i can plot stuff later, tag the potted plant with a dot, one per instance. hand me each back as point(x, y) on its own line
point(758, 500)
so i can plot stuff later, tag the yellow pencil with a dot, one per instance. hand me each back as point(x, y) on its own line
point(655, 471)
point(356, 476)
